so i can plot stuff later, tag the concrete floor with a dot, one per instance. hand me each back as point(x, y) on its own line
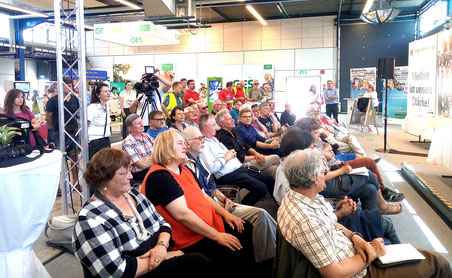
point(418, 224)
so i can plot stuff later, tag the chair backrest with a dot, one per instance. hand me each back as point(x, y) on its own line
point(291, 263)
point(363, 103)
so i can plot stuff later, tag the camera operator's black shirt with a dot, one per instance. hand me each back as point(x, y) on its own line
point(71, 105)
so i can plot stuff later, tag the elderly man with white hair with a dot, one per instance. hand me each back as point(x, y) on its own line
point(264, 226)
point(250, 158)
point(306, 223)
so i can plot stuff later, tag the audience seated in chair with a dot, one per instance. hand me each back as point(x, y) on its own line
point(264, 227)
point(307, 224)
point(227, 169)
point(198, 223)
point(231, 139)
point(138, 146)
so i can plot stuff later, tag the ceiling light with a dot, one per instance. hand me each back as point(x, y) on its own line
point(89, 27)
point(23, 10)
point(130, 4)
point(279, 8)
point(256, 14)
point(368, 6)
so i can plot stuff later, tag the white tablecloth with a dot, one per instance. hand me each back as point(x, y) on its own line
point(27, 195)
point(423, 125)
point(441, 149)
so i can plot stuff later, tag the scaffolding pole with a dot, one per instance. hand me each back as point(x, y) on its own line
point(70, 55)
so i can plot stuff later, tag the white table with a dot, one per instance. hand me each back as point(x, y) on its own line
point(424, 126)
point(441, 150)
point(28, 192)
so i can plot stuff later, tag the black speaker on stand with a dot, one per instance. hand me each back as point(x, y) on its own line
point(385, 71)
point(386, 67)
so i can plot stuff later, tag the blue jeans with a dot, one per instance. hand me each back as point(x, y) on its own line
point(354, 186)
point(54, 137)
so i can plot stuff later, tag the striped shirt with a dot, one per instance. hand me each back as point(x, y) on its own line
point(137, 148)
point(308, 225)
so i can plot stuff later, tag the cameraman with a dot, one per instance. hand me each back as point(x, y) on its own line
point(137, 107)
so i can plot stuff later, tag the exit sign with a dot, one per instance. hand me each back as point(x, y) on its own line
point(303, 72)
point(268, 67)
point(167, 67)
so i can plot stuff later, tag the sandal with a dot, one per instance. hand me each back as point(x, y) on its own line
point(387, 210)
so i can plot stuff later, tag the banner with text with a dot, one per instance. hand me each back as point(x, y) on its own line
point(422, 77)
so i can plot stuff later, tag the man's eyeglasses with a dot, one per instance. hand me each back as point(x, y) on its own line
point(159, 119)
point(200, 138)
point(202, 108)
point(256, 83)
point(247, 117)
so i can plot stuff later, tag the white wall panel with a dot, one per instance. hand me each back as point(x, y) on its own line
point(280, 59)
point(317, 58)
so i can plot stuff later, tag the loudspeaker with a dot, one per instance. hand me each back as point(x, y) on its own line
point(386, 68)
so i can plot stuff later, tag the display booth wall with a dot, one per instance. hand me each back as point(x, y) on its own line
point(302, 47)
point(361, 45)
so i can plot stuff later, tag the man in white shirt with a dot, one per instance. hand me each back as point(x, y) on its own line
point(227, 169)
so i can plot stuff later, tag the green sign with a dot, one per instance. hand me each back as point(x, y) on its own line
point(303, 72)
point(167, 67)
point(145, 27)
point(268, 67)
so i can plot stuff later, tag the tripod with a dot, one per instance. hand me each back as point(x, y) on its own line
point(149, 100)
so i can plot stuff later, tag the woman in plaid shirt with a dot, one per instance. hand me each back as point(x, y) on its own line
point(120, 234)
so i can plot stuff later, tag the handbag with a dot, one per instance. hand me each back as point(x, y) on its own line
point(59, 230)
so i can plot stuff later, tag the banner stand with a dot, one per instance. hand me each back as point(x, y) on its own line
point(363, 118)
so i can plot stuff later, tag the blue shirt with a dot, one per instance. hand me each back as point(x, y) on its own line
point(154, 133)
point(331, 92)
point(249, 134)
point(234, 114)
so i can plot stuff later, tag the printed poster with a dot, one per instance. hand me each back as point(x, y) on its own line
point(362, 80)
point(422, 77)
point(397, 94)
point(444, 77)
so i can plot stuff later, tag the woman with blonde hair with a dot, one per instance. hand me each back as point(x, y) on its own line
point(119, 233)
point(198, 223)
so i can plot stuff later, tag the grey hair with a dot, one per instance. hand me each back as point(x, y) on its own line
point(300, 167)
point(130, 119)
point(219, 117)
point(264, 104)
point(189, 131)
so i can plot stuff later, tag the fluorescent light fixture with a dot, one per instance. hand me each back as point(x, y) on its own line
point(279, 8)
point(256, 14)
point(23, 10)
point(368, 6)
point(89, 27)
point(130, 4)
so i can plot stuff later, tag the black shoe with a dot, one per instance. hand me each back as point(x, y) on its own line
point(393, 196)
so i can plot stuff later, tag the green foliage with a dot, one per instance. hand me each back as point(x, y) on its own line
point(7, 133)
point(117, 69)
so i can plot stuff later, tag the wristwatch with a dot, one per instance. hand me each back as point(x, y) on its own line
point(163, 243)
point(354, 233)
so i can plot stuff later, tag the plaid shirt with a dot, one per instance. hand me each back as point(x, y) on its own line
point(137, 149)
point(308, 226)
point(104, 241)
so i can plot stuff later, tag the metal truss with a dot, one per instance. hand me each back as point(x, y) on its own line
point(69, 41)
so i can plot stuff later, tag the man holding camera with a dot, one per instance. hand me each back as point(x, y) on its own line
point(154, 102)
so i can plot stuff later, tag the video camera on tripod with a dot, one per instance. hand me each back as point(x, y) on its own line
point(147, 86)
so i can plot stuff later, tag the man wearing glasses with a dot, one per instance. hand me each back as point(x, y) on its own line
point(202, 108)
point(157, 123)
point(138, 145)
point(255, 94)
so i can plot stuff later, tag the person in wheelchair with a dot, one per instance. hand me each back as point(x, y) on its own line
point(138, 146)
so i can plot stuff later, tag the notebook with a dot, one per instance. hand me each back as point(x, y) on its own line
point(399, 254)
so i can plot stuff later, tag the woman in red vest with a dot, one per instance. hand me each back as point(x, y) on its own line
point(198, 223)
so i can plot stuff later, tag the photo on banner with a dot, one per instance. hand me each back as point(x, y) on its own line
point(444, 78)
point(422, 77)
point(362, 80)
point(397, 94)
point(214, 86)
